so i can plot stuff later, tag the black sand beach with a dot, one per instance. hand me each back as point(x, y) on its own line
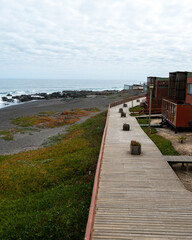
point(24, 142)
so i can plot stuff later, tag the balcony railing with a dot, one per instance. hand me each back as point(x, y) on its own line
point(169, 110)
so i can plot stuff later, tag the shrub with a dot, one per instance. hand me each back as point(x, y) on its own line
point(120, 110)
point(135, 143)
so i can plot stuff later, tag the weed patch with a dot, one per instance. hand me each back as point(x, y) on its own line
point(45, 193)
point(164, 145)
point(51, 119)
point(143, 120)
point(136, 108)
point(46, 119)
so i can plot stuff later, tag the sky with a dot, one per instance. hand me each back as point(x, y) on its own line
point(125, 40)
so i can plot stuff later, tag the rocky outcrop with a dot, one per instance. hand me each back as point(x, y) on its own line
point(64, 94)
point(5, 99)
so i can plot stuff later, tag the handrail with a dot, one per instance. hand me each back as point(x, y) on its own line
point(90, 222)
point(170, 102)
point(127, 100)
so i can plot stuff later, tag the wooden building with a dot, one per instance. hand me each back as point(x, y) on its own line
point(160, 91)
point(177, 108)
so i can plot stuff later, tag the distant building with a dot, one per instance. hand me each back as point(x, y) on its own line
point(127, 87)
point(137, 87)
point(145, 87)
point(160, 90)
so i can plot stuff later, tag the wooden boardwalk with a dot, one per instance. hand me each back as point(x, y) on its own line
point(139, 197)
point(178, 159)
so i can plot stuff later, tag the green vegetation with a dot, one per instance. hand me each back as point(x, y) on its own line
point(182, 139)
point(46, 119)
point(135, 111)
point(7, 134)
point(52, 119)
point(135, 143)
point(136, 108)
point(143, 120)
point(164, 145)
point(45, 193)
point(54, 139)
point(153, 130)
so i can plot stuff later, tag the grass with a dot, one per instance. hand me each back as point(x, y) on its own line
point(45, 193)
point(165, 146)
point(54, 140)
point(134, 111)
point(136, 108)
point(143, 120)
point(7, 134)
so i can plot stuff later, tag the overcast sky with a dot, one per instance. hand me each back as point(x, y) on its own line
point(94, 39)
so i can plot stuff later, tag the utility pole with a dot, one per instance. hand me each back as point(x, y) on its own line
point(149, 126)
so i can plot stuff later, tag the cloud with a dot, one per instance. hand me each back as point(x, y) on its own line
point(105, 37)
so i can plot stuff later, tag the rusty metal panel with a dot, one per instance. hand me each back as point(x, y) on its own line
point(177, 86)
point(184, 115)
point(159, 91)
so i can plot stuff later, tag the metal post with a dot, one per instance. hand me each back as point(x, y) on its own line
point(149, 126)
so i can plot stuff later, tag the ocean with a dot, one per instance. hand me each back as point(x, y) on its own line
point(33, 86)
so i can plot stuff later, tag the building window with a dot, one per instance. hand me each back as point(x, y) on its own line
point(189, 88)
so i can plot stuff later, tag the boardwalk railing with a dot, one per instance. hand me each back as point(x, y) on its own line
point(126, 100)
point(90, 222)
point(88, 234)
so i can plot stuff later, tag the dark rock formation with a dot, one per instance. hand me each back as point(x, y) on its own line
point(65, 95)
point(5, 99)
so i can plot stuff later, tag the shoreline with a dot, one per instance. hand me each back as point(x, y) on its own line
point(12, 100)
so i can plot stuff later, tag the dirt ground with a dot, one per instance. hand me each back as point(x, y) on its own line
point(184, 148)
point(37, 139)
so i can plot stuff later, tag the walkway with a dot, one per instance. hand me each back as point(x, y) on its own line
point(140, 197)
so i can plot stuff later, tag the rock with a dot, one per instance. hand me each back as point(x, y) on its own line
point(65, 95)
point(54, 95)
point(5, 99)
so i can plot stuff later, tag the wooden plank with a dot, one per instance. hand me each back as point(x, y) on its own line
point(178, 159)
point(139, 197)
